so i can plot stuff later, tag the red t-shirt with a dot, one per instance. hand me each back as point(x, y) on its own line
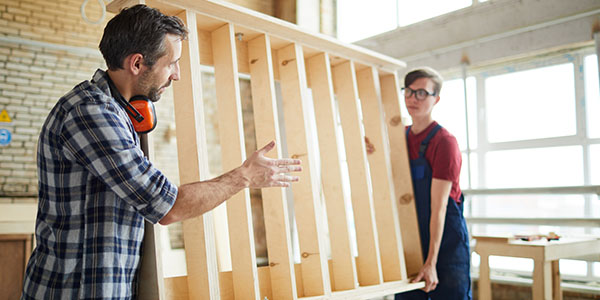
point(442, 154)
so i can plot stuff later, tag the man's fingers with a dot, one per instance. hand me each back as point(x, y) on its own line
point(268, 147)
point(287, 161)
point(290, 168)
point(287, 178)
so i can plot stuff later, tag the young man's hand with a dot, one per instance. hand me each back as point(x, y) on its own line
point(429, 274)
point(260, 171)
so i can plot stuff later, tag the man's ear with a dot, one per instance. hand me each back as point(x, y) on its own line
point(437, 99)
point(134, 63)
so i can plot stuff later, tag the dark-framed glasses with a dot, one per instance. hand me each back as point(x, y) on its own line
point(420, 94)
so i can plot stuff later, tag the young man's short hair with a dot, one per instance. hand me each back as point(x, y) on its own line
point(425, 72)
point(138, 29)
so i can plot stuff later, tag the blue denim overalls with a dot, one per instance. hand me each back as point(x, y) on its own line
point(454, 257)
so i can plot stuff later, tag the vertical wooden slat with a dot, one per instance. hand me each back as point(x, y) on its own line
point(191, 147)
point(306, 198)
point(368, 261)
point(407, 210)
point(239, 214)
point(343, 264)
point(277, 227)
point(386, 210)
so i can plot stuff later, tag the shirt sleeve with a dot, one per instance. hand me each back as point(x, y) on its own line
point(447, 160)
point(97, 137)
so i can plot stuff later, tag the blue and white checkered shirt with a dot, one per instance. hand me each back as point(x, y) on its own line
point(95, 190)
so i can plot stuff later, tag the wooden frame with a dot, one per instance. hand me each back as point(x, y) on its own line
point(357, 86)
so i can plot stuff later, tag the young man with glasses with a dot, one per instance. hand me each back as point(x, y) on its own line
point(435, 162)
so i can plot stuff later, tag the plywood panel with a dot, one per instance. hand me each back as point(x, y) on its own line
point(306, 198)
point(239, 214)
point(386, 210)
point(282, 279)
point(343, 266)
point(191, 147)
point(407, 210)
point(368, 260)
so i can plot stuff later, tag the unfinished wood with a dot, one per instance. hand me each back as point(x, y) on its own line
point(343, 266)
point(192, 156)
point(368, 260)
point(542, 280)
point(151, 271)
point(384, 200)
point(306, 198)
point(239, 214)
point(556, 290)
point(373, 292)
point(484, 284)
point(407, 211)
point(266, 122)
point(176, 288)
point(227, 12)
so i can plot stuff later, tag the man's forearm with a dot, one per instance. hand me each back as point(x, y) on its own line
point(440, 191)
point(194, 199)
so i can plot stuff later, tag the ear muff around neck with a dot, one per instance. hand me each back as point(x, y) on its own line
point(144, 107)
point(140, 109)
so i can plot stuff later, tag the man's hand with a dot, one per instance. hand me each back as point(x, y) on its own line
point(429, 274)
point(260, 171)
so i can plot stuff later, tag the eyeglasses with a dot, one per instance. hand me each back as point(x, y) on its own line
point(420, 94)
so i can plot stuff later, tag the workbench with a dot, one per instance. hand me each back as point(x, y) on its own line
point(545, 254)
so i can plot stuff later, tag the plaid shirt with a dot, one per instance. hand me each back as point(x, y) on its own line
point(95, 190)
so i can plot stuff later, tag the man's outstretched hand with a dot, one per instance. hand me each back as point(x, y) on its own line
point(260, 171)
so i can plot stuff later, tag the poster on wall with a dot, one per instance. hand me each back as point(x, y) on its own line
point(5, 132)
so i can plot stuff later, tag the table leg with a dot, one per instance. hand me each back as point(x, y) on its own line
point(556, 290)
point(484, 285)
point(542, 280)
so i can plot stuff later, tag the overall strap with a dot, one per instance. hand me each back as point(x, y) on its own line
point(425, 142)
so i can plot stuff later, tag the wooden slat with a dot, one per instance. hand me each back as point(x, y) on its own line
point(277, 227)
point(192, 155)
point(386, 210)
point(368, 261)
point(407, 210)
point(239, 214)
point(306, 198)
point(176, 288)
point(342, 261)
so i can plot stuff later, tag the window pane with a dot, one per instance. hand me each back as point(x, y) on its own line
point(357, 20)
point(450, 111)
point(532, 104)
point(595, 164)
point(416, 11)
point(538, 167)
point(572, 267)
point(592, 96)
point(529, 206)
point(511, 263)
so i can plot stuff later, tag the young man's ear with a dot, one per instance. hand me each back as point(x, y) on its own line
point(437, 99)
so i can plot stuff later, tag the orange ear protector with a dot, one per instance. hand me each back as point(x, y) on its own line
point(142, 113)
point(140, 109)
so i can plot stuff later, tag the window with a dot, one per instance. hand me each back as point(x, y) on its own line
point(357, 20)
point(531, 124)
point(416, 11)
point(532, 104)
